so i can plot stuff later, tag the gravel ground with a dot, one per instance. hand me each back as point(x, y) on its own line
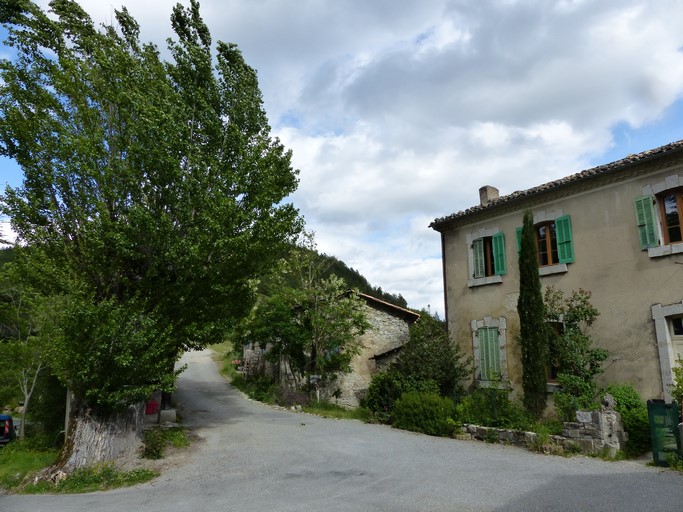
point(250, 457)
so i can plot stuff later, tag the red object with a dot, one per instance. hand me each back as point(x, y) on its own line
point(152, 407)
point(6, 427)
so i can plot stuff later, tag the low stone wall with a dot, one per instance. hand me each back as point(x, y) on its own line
point(592, 432)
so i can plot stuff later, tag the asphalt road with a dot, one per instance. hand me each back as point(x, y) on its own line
point(251, 457)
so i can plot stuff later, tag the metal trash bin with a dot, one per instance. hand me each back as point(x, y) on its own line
point(664, 433)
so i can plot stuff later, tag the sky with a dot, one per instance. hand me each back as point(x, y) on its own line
point(398, 111)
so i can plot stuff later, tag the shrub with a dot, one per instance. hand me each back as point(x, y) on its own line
point(155, 444)
point(424, 412)
point(633, 410)
point(387, 387)
point(575, 394)
point(430, 356)
point(492, 407)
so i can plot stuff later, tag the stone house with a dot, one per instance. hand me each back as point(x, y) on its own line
point(615, 230)
point(381, 343)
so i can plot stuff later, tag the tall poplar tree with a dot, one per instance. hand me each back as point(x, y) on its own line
point(533, 334)
point(153, 194)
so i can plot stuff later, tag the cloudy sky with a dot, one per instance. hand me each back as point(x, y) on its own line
point(398, 111)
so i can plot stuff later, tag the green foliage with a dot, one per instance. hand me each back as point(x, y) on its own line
point(677, 387)
point(387, 387)
point(428, 363)
point(424, 412)
point(575, 393)
point(430, 356)
point(155, 443)
point(572, 352)
point(492, 407)
point(27, 330)
point(634, 416)
point(259, 388)
point(533, 336)
point(153, 192)
point(311, 322)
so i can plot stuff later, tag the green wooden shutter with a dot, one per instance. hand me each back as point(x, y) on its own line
point(498, 241)
point(518, 233)
point(565, 245)
point(645, 220)
point(478, 254)
point(489, 353)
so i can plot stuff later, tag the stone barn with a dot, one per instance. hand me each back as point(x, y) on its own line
point(381, 343)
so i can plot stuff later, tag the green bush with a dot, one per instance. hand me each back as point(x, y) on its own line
point(155, 444)
point(633, 410)
point(576, 393)
point(387, 387)
point(424, 412)
point(492, 407)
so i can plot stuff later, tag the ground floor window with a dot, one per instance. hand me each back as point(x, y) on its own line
point(669, 330)
point(489, 337)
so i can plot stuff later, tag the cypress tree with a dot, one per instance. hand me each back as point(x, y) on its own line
point(533, 335)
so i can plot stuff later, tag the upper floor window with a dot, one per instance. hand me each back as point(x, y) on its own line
point(486, 257)
point(659, 217)
point(671, 206)
point(554, 242)
point(546, 240)
point(489, 256)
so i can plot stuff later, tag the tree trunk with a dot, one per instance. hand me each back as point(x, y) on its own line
point(98, 439)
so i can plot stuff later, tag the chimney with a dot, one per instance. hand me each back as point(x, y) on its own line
point(487, 193)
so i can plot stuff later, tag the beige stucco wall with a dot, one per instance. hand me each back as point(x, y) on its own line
point(387, 332)
point(624, 280)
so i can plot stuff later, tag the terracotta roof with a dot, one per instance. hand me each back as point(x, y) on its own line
point(588, 174)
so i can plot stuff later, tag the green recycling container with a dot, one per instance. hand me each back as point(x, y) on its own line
point(664, 433)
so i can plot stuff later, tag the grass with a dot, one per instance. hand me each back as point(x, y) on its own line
point(328, 410)
point(157, 439)
point(91, 479)
point(20, 460)
point(17, 461)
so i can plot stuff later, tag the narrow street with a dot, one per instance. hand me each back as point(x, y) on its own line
point(251, 457)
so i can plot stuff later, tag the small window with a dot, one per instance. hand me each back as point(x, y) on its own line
point(489, 256)
point(671, 208)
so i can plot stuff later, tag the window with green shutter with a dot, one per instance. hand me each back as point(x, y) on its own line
point(645, 220)
point(488, 254)
point(489, 353)
point(554, 241)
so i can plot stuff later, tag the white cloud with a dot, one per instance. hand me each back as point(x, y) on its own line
point(397, 112)
point(7, 234)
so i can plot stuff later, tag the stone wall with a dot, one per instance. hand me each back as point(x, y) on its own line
point(592, 432)
point(387, 332)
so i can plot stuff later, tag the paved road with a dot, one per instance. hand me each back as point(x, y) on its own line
point(254, 458)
